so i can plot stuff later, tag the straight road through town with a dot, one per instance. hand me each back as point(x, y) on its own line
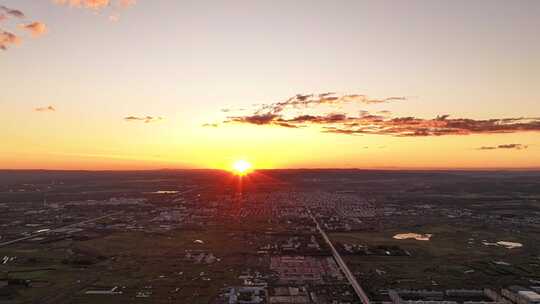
point(348, 274)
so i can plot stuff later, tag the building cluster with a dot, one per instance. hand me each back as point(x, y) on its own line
point(292, 244)
point(302, 269)
point(296, 280)
point(510, 295)
point(298, 265)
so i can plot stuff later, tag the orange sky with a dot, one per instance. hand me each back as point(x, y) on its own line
point(130, 85)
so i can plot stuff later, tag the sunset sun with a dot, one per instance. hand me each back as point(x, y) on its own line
point(241, 167)
point(259, 151)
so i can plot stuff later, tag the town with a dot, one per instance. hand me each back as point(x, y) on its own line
point(288, 236)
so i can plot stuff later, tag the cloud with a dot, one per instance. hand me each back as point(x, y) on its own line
point(439, 126)
point(7, 39)
point(11, 12)
point(91, 4)
point(110, 7)
point(96, 4)
point(210, 125)
point(145, 119)
point(506, 147)
point(45, 109)
point(126, 3)
point(300, 101)
point(227, 110)
point(35, 28)
point(264, 119)
point(382, 123)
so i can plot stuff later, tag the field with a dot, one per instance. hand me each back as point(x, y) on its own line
point(454, 257)
point(134, 262)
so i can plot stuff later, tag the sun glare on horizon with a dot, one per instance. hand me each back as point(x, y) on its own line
point(241, 167)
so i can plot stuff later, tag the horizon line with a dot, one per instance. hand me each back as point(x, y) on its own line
point(471, 169)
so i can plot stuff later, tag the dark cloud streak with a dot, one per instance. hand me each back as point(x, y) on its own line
point(505, 147)
point(12, 12)
point(45, 109)
point(300, 101)
point(375, 124)
point(439, 126)
point(145, 119)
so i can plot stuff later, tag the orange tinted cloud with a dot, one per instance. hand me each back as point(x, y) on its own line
point(126, 3)
point(112, 6)
point(7, 39)
point(382, 124)
point(96, 4)
point(92, 4)
point(35, 28)
point(45, 109)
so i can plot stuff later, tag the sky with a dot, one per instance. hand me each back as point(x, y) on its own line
point(147, 84)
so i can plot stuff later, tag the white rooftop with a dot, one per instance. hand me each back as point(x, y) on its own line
point(530, 295)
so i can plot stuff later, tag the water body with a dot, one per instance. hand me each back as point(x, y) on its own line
point(415, 236)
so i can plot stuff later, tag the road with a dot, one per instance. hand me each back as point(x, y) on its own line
point(56, 229)
point(348, 274)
